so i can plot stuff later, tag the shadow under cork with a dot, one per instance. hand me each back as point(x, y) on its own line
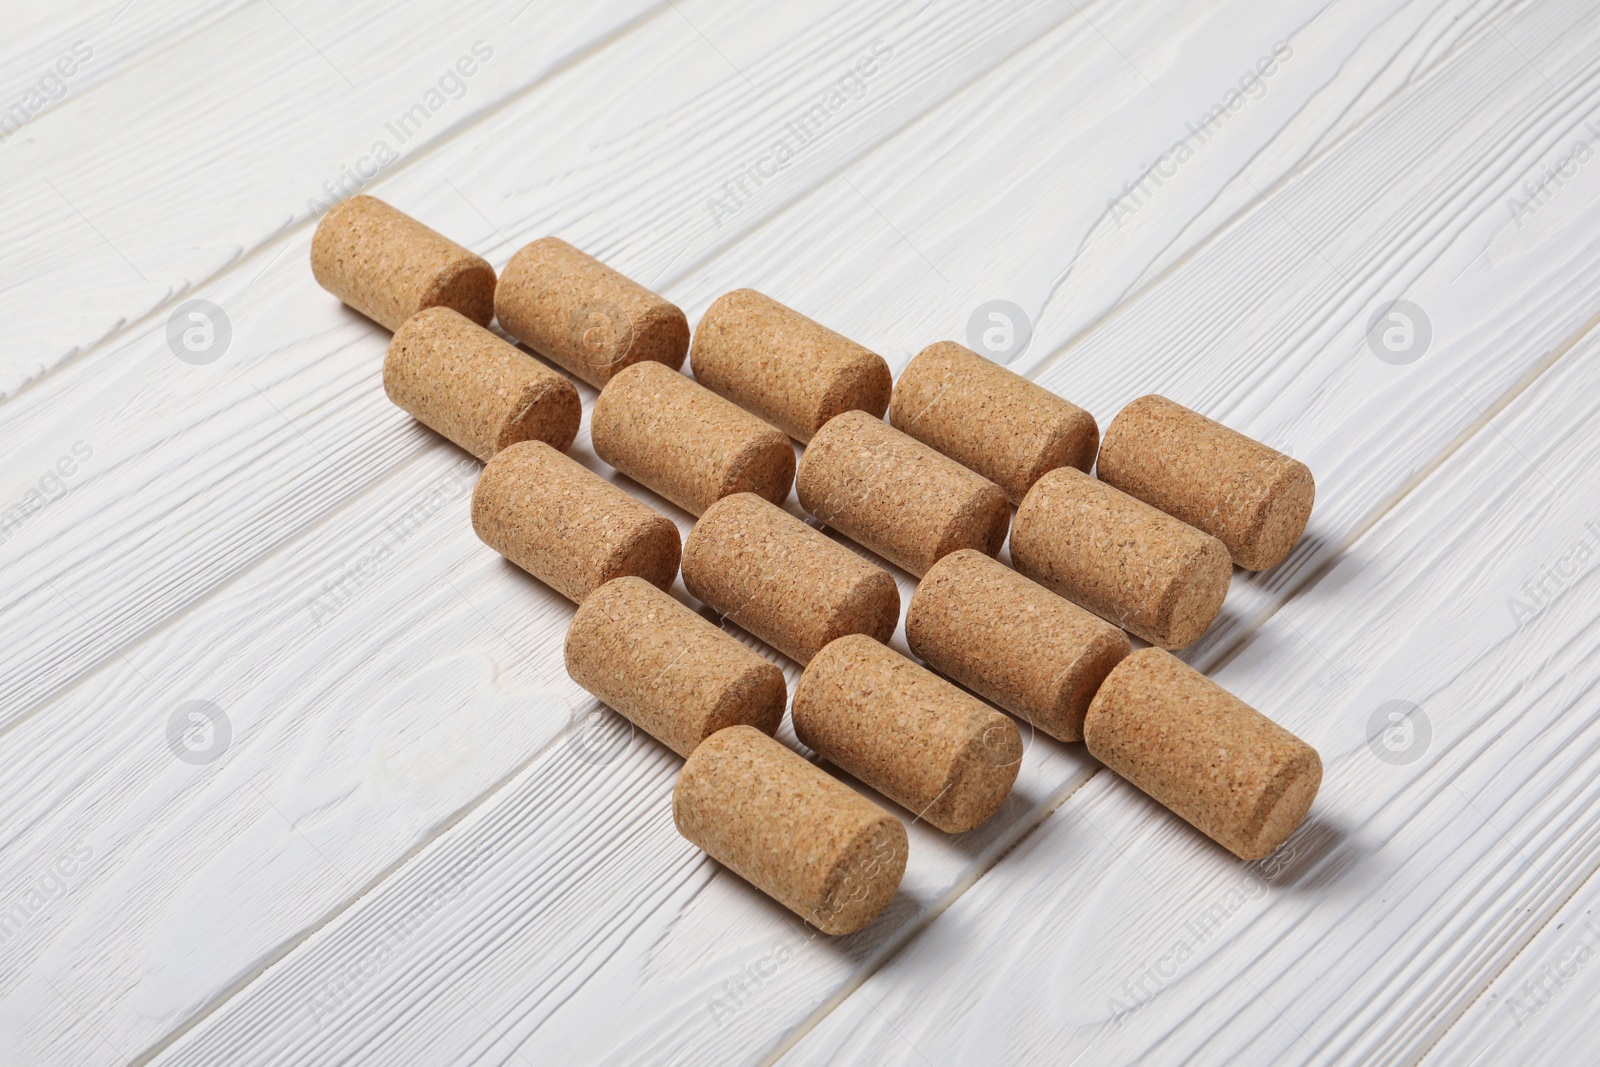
point(1317, 856)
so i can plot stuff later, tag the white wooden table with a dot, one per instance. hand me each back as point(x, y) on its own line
point(392, 831)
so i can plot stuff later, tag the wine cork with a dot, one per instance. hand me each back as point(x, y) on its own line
point(1252, 498)
point(945, 756)
point(783, 581)
point(389, 266)
point(1234, 774)
point(1012, 641)
point(990, 419)
point(895, 495)
point(567, 526)
point(795, 373)
point(812, 843)
point(460, 380)
point(1156, 577)
point(579, 313)
point(686, 442)
point(667, 670)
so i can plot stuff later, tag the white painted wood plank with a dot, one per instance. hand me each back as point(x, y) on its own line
point(53, 52)
point(1537, 1010)
point(314, 399)
point(222, 129)
point(174, 455)
point(1115, 933)
point(577, 1031)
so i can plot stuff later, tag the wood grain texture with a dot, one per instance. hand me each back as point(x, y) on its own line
point(1415, 881)
point(364, 877)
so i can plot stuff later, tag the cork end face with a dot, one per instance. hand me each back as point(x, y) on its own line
point(1077, 687)
point(653, 553)
point(662, 337)
point(1191, 603)
point(981, 525)
point(865, 385)
point(982, 777)
point(755, 699)
point(864, 880)
point(766, 468)
point(1119, 445)
point(548, 410)
point(467, 286)
point(1073, 443)
point(1284, 807)
point(324, 241)
point(340, 262)
point(871, 607)
point(1283, 519)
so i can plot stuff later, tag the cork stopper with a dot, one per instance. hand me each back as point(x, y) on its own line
point(812, 843)
point(1235, 775)
point(389, 266)
point(895, 495)
point(687, 443)
point(463, 382)
point(667, 670)
point(783, 581)
point(795, 373)
point(567, 526)
point(1012, 641)
point(577, 312)
point(1142, 569)
point(990, 419)
point(1252, 498)
point(941, 754)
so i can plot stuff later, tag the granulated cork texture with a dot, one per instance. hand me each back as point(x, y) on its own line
point(945, 756)
point(795, 373)
point(813, 844)
point(567, 526)
point(389, 266)
point(463, 382)
point(687, 443)
point(582, 315)
point(1252, 498)
point(896, 496)
point(1012, 641)
point(783, 581)
point(1140, 568)
point(1234, 774)
point(990, 419)
point(667, 670)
